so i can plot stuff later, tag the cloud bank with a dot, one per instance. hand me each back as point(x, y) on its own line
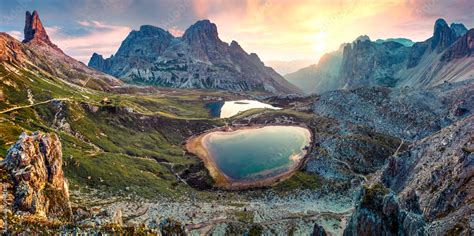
point(274, 29)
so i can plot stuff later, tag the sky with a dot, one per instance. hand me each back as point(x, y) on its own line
point(281, 30)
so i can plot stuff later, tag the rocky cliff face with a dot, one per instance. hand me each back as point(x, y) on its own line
point(463, 47)
point(35, 166)
point(198, 59)
point(424, 191)
point(443, 37)
point(366, 63)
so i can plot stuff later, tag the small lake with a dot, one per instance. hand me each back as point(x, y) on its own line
point(231, 108)
point(261, 154)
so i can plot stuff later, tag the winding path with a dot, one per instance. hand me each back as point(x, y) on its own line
point(34, 104)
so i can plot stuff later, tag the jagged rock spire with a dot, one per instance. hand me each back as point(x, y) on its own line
point(35, 32)
point(443, 36)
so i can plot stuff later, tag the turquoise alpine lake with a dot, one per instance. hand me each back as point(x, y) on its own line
point(253, 154)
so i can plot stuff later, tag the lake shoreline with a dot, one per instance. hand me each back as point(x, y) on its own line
point(198, 145)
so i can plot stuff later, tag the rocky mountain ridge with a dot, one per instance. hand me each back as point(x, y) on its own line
point(446, 56)
point(39, 54)
point(198, 59)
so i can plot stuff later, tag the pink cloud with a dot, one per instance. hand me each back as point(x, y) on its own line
point(176, 32)
point(278, 29)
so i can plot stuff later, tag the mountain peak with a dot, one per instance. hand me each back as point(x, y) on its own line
point(362, 38)
point(203, 29)
point(35, 32)
point(441, 23)
point(235, 44)
point(459, 29)
point(443, 36)
point(150, 30)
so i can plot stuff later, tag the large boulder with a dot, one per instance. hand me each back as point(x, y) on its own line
point(35, 167)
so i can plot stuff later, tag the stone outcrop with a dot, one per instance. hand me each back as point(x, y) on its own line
point(35, 166)
point(391, 64)
point(198, 59)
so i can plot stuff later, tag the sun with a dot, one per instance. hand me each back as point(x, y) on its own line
point(319, 47)
point(319, 42)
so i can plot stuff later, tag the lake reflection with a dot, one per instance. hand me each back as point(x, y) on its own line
point(231, 108)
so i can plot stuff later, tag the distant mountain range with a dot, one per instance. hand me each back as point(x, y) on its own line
point(445, 57)
point(198, 59)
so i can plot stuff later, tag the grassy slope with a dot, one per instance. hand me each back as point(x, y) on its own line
point(122, 155)
point(126, 146)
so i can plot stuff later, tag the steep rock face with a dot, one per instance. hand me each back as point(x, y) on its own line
point(35, 32)
point(35, 165)
point(97, 61)
point(198, 59)
point(11, 50)
point(437, 171)
point(463, 47)
point(366, 63)
point(425, 66)
point(443, 36)
point(459, 29)
point(426, 190)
